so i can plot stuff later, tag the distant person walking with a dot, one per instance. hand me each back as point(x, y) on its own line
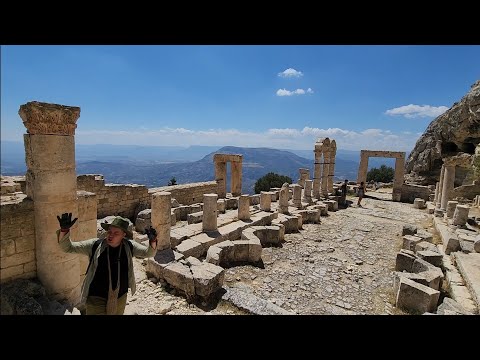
point(361, 193)
point(110, 271)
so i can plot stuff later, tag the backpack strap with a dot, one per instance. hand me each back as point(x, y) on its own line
point(96, 244)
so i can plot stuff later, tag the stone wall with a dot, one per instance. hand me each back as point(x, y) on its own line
point(17, 238)
point(114, 199)
point(412, 191)
point(187, 194)
point(467, 191)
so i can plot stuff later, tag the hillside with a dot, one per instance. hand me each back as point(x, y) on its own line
point(256, 163)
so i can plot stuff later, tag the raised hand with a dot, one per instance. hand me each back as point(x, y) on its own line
point(66, 221)
point(152, 236)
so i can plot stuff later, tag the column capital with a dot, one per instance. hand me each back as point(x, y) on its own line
point(49, 119)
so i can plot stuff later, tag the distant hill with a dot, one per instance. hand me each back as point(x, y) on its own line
point(155, 165)
point(256, 163)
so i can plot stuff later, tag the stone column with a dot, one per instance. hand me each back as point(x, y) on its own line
point(436, 194)
point(307, 192)
point(440, 188)
point(317, 172)
point(265, 200)
point(244, 207)
point(236, 177)
point(331, 167)
point(161, 218)
point(325, 172)
point(220, 175)
point(398, 178)
point(283, 199)
point(304, 175)
point(363, 167)
point(451, 205)
point(52, 184)
point(448, 181)
point(209, 212)
point(461, 215)
point(297, 195)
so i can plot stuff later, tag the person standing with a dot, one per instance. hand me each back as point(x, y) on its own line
point(110, 270)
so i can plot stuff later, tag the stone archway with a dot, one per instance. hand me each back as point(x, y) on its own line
point(399, 168)
point(220, 161)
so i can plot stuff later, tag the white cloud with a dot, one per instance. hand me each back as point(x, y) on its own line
point(290, 73)
point(413, 111)
point(285, 92)
point(281, 138)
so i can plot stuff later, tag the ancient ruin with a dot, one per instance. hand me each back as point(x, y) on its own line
point(399, 169)
point(289, 250)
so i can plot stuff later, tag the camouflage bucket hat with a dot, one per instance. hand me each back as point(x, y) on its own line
point(120, 223)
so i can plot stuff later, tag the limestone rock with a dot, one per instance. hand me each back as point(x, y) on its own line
point(452, 133)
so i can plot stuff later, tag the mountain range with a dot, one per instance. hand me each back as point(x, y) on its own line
point(154, 166)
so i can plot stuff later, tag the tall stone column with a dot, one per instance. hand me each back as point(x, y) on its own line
point(398, 178)
point(283, 199)
point(331, 167)
point(448, 181)
point(436, 193)
point(52, 184)
point(209, 212)
point(220, 175)
point(161, 218)
point(325, 173)
point(236, 177)
point(244, 207)
point(440, 188)
point(362, 168)
point(317, 172)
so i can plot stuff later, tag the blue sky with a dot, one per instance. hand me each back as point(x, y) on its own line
point(365, 97)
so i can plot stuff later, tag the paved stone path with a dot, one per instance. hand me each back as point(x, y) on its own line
point(342, 266)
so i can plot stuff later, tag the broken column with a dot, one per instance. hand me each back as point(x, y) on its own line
point(283, 199)
point(161, 218)
point(265, 200)
point(363, 167)
point(307, 193)
point(304, 175)
point(236, 165)
point(331, 167)
point(297, 195)
point(436, 194)
point(398, 177)
point(448, 181)
point(460, 216)
point(209, 212)
point(451, 205)
point(52, 184)
point(220, 175)
point(244, 207)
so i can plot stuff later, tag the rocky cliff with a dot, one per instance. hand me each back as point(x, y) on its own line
point(455, 132)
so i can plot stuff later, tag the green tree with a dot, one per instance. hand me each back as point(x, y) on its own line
point(384, 174)
point(172, 181)
point(270, 180)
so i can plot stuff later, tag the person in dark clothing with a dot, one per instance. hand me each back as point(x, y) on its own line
point(343, 194)
point(110, 271)
point(361, 193)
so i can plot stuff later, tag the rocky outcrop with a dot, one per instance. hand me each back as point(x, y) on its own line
point(455, 132)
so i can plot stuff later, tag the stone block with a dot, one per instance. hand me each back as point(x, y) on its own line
point(195, 218)
point(431, 257)
point(190, 247)
point(424, 245)
point(208, 279)
point(241, 250)
point(426, 236)
point(415, 297)
point(409, 229)
point(404, 260)
point(410, 241)
point(180, 277)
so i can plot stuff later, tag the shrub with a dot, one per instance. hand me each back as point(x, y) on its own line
point(384, 174)
point(270, 180)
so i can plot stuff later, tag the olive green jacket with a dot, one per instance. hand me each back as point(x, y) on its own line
point(85, 247)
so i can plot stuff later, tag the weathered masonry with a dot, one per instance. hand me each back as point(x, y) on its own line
point(399, 168)
point(220, 161)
